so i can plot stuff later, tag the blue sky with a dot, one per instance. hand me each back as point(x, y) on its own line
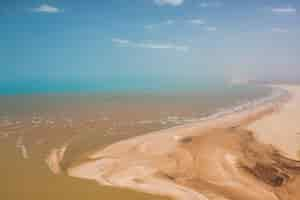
point(119, 43)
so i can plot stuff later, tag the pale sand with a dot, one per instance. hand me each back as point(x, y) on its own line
point(223, 163)
point(282, 129)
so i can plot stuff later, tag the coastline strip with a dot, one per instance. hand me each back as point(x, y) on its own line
point(133, 163)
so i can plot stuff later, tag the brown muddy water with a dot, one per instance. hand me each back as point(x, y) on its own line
point(32, 125)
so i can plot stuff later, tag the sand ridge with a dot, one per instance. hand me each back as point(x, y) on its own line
point(231, 164)
point(217, 159)
point(282, 128)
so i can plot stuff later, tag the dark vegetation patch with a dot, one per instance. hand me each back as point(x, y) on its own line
point(186, 140)
point(266, 163)
point(138, 180)
point(166, 176)
point(268, 174)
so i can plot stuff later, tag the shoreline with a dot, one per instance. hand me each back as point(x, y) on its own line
point(54, 159)
point(135, 163)
point(233, 116)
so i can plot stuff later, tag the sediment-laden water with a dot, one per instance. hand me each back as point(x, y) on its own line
point(31, 126)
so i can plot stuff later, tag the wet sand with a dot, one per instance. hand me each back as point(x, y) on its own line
point(235, 157)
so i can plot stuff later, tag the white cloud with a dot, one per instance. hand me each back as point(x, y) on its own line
point(149, 27)
point(169, 22)
point(45, 8)
point(162, 46)
point(149, 45)
point(196, 21)
point(152, 26)
point(206, 4)
point(169, 2)
point(284, 10)
point(211, 28)
point(279, 30)
point(120, 41)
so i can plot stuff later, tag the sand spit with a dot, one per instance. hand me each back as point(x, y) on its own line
point(21, 146)
point(54, 159)
point(216, 159)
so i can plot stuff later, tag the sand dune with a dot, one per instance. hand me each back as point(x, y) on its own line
point(282, 129)
point(216, 160)
point(231, 164)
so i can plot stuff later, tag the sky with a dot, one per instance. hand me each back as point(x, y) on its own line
point(135, 43)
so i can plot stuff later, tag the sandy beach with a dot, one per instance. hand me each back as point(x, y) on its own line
point(250, 154)
point(282, 128)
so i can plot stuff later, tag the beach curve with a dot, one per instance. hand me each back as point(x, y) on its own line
point(161, 163)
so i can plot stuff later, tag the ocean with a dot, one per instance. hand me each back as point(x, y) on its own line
point(34, 123)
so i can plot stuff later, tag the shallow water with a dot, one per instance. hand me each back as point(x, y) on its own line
point(31, 125)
